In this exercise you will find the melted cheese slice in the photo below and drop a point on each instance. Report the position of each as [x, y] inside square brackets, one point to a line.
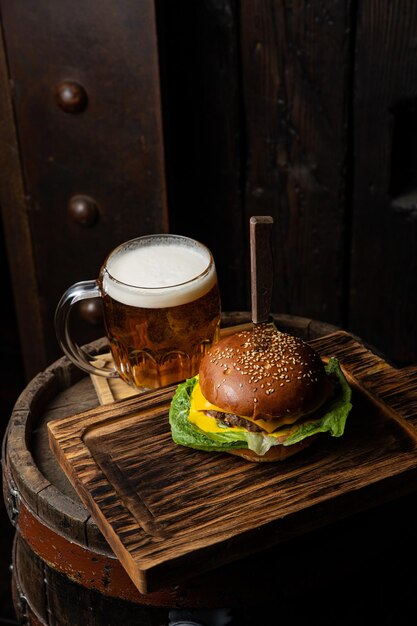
[199, 404]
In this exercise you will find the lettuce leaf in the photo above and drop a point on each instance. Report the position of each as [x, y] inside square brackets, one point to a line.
[186, 434]
[335, 411]
[332, 419]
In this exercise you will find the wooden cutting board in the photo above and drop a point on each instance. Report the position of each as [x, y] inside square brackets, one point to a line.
[170, 512]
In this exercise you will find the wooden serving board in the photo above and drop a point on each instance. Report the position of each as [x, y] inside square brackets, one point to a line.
[110, 389]
[170, 512]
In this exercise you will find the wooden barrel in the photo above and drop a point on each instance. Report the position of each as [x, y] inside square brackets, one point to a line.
[63, 569]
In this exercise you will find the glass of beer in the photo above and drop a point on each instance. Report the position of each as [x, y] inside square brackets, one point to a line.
[161, 309]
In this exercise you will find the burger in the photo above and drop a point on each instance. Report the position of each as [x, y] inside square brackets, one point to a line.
[260, 394]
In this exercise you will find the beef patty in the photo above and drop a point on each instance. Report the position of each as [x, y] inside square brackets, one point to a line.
[230, 419]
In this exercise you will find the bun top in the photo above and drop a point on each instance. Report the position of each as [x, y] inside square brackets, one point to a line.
[263, 373]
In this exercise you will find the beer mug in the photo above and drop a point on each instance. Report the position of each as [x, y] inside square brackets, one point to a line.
[161, 308]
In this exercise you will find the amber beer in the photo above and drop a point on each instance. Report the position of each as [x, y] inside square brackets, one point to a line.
[161, 308]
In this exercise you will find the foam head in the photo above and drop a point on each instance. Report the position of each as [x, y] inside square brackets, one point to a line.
[159, 271]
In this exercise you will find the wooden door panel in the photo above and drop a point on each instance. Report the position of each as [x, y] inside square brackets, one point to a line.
[383, 290]
[109, 149]
[296, 64]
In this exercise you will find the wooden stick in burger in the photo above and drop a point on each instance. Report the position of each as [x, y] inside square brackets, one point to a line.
[260, 394]
[261, 265]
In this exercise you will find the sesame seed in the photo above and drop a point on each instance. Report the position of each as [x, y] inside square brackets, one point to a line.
[266, 355]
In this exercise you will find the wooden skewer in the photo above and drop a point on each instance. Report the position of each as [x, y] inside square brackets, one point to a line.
[262, 272]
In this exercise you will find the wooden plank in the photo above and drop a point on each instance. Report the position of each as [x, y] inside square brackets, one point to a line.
[112, 151]
[17, 231]
[110, 389]
[170, 512]
[295, 78]
[383, 290]
[262, 268]
[199, 45]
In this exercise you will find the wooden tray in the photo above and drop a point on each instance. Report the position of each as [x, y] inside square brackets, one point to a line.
[169, 512]
[110, 389]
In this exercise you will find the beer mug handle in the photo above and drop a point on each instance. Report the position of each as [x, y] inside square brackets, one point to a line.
[75, 293]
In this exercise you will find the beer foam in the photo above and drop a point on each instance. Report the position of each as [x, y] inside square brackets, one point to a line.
[160, 274]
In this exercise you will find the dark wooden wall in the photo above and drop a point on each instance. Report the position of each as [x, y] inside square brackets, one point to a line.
[382, 304]
[199, 114]
[305, 111]
[103, 142]
[11, 383]
[258, 95]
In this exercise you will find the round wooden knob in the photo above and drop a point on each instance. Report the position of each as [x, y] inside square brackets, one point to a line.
[91, 311]
[83, 210]
[71, 97]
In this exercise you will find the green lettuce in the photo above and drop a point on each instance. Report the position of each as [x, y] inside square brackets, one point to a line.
[332, 419]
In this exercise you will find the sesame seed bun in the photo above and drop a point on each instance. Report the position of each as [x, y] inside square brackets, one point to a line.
[263, 373]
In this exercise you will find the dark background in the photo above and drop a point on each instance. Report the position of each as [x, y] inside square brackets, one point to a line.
[199, 114]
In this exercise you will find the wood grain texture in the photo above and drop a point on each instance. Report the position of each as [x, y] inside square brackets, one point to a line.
[60, 391]
[262, 267]
[110, 389]
[383, 293]
[170, 512]
[295, 79]
[61, 540]
[112, 151]
[13, 205]
[27, 465]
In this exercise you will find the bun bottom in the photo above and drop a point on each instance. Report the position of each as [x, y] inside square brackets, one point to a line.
[276, 453]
